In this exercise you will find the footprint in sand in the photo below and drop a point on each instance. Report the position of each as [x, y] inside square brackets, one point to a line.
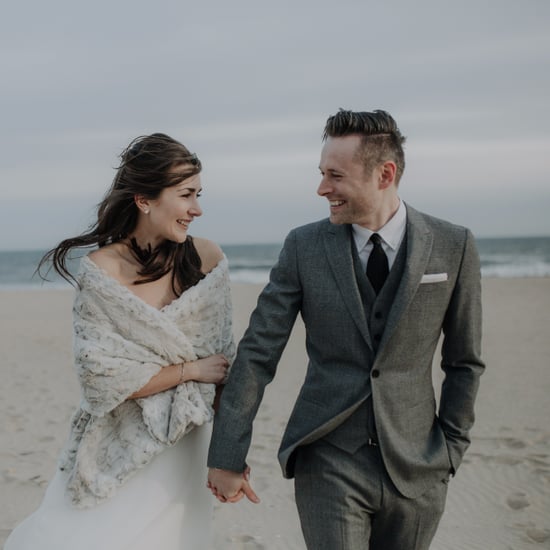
[507, 460]
[539, 460]
[538, 535]
[517, 501]
[247, 542]
[543, 473]
[513, 443]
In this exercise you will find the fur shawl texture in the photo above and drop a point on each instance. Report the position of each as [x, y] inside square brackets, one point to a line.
[120, 342]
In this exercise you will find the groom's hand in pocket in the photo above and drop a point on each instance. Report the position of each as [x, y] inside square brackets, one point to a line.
[228, 486]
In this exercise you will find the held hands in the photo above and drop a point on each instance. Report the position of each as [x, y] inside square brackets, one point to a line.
[229, 486]
[211, 370]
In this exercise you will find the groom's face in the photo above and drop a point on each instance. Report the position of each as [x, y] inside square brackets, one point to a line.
[354, 195]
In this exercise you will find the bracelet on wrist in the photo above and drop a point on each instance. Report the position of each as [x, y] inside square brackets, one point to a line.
[182, 373]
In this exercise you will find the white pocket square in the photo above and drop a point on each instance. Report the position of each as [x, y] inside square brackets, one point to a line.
[433, 278]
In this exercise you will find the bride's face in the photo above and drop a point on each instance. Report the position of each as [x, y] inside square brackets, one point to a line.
[168, 217]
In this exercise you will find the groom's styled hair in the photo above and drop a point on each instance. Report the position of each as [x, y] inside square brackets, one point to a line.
[381, 139]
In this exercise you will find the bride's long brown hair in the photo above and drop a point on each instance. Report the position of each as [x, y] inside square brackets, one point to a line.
[145, 169]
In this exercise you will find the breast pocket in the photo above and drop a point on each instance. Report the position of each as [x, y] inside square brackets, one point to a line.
[428, 307]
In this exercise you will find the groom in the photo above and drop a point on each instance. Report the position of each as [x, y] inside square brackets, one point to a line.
[376, 284]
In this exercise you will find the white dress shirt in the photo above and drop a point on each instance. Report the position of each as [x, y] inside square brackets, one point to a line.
[391, 234]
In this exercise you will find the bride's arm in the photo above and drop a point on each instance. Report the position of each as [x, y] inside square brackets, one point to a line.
[211, 370]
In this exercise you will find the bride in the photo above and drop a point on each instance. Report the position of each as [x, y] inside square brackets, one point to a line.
[152, 342]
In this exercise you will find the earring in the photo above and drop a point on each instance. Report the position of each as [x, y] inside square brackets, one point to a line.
[146, 211]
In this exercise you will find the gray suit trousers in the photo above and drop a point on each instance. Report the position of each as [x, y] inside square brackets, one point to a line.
[348, 502]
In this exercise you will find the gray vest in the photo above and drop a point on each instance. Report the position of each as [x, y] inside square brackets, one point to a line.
[356, 430]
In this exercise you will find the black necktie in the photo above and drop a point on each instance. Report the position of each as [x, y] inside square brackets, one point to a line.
[377, 266]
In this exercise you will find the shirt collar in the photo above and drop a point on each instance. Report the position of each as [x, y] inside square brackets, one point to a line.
[391, 233]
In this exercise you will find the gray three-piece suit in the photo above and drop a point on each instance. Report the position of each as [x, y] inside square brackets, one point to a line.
[369, 377]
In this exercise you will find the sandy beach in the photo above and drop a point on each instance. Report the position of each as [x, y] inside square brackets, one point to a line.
[499, 500]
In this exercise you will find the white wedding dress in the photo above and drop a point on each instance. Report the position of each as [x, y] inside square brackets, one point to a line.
[165, 505]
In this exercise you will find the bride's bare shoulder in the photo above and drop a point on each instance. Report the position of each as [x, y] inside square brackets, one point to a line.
[210, 253]
[107, 258]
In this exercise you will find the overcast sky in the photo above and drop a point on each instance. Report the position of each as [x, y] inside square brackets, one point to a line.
[248, 86]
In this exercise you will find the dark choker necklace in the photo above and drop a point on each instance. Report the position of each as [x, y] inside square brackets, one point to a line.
[142, 255]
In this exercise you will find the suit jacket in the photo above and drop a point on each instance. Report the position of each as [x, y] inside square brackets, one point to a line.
[439, 293]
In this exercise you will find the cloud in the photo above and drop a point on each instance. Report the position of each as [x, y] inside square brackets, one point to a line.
[249, 85]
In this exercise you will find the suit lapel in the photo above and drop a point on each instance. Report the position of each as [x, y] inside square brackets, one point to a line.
[337, 242]
[419, 247]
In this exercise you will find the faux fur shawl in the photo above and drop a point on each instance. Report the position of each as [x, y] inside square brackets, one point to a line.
[120, 342]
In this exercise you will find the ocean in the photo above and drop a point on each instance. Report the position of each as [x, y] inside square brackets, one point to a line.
[250, 263]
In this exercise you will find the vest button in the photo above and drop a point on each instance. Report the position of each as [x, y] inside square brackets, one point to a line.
[377, 337]
[375, 373]
[378, 315]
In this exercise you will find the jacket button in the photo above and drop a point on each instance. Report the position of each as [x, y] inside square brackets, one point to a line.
[375, 373]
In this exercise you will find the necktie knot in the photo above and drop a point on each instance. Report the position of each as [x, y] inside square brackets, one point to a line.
[377, 266]
[376, 239]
